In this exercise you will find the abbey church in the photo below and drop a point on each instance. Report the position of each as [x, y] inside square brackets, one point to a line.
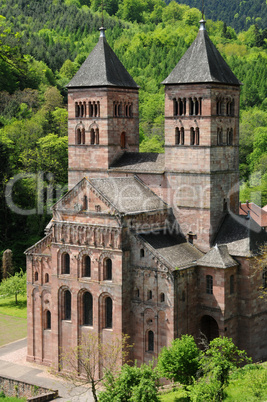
[149, 245]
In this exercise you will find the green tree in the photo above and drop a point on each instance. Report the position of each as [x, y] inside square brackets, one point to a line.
[14, 285]
[180, 362]
[133, 384]
[219, 360]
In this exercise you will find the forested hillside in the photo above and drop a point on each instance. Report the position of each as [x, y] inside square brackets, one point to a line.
[42, 45]
[239, 14]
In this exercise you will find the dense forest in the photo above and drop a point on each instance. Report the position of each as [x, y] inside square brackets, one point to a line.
[42, 45]
[239, 14]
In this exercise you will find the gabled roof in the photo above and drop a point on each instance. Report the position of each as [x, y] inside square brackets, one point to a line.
[171, 249]
[217, 257]
[138, 162]
[242, 235]
[202, 63]
[128, 194]
[102, 68]
[257, 213]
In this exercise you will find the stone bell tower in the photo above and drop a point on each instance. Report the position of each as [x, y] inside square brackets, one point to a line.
[201, 139]
[103, 113]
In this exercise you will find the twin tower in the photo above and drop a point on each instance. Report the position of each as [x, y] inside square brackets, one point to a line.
[198, 174]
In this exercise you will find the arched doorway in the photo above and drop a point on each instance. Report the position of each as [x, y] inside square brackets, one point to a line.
[209, 327]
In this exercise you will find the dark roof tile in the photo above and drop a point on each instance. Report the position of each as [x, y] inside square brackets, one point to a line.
[202, 63]
[102, 68]
[140, 162]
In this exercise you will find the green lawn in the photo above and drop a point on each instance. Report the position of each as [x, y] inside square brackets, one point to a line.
[13, 322]
[10, 399]
[174, 396]
[9, 307]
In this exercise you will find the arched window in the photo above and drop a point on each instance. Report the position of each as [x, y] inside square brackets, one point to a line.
[36, 276]
[182, 136]
[197, 136]
[177, 136]
[92, 135]
[47, 320]
[137, 293]
[209, 284]
[79, 136]
[162, 297]
[87, 309]
[97, 136]
[196, 111]
[130, 110]
[46, 278]
[192, 136]
[83, 136]
[191, 107]
[108, 269]
[150, 341]
[67, 305]
[219, 136]
[108, 312]
[123, 140]
[230, 136]
[86, 266]
[232, 284]
[142, 253]
[175, 107]
[119, 109]
[65, 263]
[232, 107]
[85, 203]
[149, 295]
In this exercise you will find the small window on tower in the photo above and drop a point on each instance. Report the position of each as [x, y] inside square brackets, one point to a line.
[209, 284]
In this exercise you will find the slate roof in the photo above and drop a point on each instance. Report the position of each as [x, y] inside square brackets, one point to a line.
[217, 257]
[128, 195]
[172, 249]
[242, 235]
[140, 162]
[102, 68]
[202, 63]
[257, 213]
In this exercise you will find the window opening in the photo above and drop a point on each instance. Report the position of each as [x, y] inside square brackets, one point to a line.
[48, 320]
[87, 266]
[177, 136]
[67, 305]
[162, 297]
[108, 308]
[209, 284]
[46, 278]
[87, 309]
[142, 253]
[197, 136]
[149, 295]
[232, 284]
[264, 278]
[150, 341]
[192, 136]
[65, 263]
[108, 264]
[36, 276]
[123, 140]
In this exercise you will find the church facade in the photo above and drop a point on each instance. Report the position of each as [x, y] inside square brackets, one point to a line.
[149, 245]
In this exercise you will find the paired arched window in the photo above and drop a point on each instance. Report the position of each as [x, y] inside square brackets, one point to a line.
[194, 136]
[108, 269]
[66, 305]
[150, 339]
[87, 309]
[65, 263]
[179, 107]
[80, 136]
[179, 136]
[209, 284]
[86, 266]
[47, 324]
[94, 136]
[219, 104]
[108, 312]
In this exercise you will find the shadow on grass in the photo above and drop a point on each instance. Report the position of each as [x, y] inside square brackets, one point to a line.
[22, 304]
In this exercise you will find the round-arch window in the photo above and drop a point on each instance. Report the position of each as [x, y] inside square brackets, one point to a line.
[65, 263]
[87, 266]
[46, 278]
[87, 309]
[108, 269]
[108, 312]
[150, 341]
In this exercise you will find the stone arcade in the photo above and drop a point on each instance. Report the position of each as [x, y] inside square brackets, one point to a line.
[149, 244]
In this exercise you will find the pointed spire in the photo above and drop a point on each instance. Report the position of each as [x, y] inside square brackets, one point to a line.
[102, 68]
[202, 63]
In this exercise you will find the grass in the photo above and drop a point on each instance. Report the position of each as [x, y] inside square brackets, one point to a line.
[9, 307]
[247, 384]
[11, 399]
[13, 322]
